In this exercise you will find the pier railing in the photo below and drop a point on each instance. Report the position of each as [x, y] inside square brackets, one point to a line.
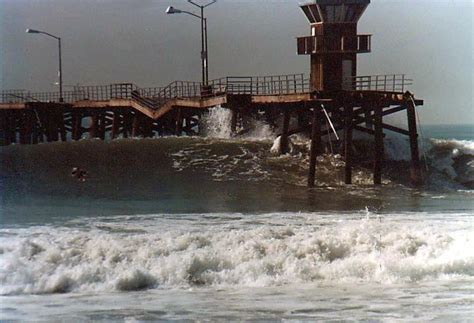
[262, 85]
[397, 83]
[154, 97]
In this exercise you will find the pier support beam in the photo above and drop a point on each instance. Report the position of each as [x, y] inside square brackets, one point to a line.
[136, 126]
[233, 121]
[3, 127]
[379, 149]
[27, 125]
[348, 130]
[115, 125]
[127, 123]
[179, 122]
[284, 146]
[415, 167]
[37, 128]
[55, 118]
[368, 117]
[62, 126]
[315, 145]
[147, 126]
[76, 125]
[94, 125]
[101, 126]
[22, 128]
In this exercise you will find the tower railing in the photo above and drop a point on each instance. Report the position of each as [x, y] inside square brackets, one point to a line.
[324, 44]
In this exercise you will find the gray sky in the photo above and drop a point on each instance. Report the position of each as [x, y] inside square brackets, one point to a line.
[107, 41]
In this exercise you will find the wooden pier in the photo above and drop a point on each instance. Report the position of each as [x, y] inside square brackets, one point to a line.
[331, 97]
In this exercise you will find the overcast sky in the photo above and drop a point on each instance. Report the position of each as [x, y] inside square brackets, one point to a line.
[107, 41]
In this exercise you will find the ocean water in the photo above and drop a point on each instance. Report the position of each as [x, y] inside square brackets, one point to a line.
[220, 228]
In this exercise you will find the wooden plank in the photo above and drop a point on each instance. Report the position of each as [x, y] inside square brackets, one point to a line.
[12, 106]
[289, 98]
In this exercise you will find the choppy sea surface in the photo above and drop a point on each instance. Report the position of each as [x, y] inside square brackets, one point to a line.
[220, 228]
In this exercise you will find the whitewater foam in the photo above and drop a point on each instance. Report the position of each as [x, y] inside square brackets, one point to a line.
[228, 251]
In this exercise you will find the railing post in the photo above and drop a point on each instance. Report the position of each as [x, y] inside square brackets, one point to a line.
[279, 84]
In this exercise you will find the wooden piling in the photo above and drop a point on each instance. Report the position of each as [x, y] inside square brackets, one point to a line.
[53, 126]
[7, 137]
[116, 121]
[379, 148]
[368, 117]
[147, 126]
[36, 131]
[179, 122]
[12, 128]
[22, 128]
[415, 167]
[101, 127]
[284, 144]
[3, 127]
[127, 123]
[76, 125]
[316, 145]
[233, 121]
[348, 129]
[25, 127]
[62, 126]
[94, 125]
[136, 125]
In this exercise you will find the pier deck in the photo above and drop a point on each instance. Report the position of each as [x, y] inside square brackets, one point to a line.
[125, 110]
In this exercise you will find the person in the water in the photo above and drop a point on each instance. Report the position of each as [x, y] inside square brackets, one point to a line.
[80, 174]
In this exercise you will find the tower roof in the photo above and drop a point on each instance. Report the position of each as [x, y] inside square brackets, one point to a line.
[334, 11]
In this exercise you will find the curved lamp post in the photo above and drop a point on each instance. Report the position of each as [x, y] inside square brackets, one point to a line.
[204, 48]
[60, 73]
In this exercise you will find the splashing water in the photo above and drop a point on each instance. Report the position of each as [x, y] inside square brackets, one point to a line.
[218, 123]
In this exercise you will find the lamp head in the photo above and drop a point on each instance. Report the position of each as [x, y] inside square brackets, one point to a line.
[172, 10]
[32, 31]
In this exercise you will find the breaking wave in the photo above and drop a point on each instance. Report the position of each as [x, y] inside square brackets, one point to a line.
[454, 158]
[232, 250]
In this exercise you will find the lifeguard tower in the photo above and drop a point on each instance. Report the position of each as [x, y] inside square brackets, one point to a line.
[354, 100]
[334, 43]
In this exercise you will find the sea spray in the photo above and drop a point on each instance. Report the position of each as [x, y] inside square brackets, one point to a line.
[218, 123]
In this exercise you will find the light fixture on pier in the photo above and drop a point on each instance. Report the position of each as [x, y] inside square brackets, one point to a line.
[60, 72]
[204, 50]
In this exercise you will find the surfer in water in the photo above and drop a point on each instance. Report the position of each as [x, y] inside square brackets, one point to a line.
[79, 173]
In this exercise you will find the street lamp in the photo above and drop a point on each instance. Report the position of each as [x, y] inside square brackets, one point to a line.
[33, 31]
[204, 48]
